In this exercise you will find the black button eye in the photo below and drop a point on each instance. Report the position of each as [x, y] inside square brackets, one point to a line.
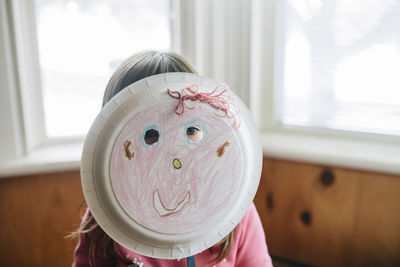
[151, 136]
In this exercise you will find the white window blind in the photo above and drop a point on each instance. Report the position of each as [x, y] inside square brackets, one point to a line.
[340, 65]
[80, 45]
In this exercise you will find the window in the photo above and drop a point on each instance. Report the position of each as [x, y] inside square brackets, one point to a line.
[340, 65]
[80, 44]
[319, 76]
[59, 55]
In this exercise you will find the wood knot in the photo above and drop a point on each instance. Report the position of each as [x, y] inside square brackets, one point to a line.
[270, 201]
[327, 177]
[305, 217]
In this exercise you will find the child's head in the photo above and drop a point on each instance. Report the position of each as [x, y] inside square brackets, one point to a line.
[173, 185]
[142, 65]
[133, 69]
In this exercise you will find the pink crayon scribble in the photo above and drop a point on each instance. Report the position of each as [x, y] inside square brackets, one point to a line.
[173, 200]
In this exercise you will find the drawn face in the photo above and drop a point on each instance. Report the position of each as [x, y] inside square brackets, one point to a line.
[175, 173]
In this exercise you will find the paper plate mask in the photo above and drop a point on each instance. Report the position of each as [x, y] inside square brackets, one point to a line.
[171, 164]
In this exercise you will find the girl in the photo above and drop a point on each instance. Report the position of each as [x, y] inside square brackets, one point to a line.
[244, 246]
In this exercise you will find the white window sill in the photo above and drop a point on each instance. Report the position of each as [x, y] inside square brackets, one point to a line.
[54, 158]
[330, 151]
[351, 153]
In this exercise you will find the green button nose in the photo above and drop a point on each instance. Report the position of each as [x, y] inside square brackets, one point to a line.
[177, 164]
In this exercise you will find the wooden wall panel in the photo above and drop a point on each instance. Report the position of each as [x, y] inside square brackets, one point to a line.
[36, 212]
[377, 232]
[333, 210]
[350, 218]
[326, 216]
[286, 227]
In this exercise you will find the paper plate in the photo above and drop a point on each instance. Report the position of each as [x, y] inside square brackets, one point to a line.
[169, 176]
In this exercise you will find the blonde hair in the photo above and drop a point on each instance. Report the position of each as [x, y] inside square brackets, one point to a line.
[135, 68]
[142, 65]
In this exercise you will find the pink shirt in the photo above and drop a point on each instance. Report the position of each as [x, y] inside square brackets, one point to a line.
[248, 249]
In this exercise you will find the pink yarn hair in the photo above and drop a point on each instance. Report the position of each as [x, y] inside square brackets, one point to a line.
[218, 99]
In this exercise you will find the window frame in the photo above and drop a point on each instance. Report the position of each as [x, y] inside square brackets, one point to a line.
[363, 151]
[255, 65]
[272, 122]
[23, 27]
[30, 150]
[12, 131]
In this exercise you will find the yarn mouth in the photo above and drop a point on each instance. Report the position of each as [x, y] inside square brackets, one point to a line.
[162, 210]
